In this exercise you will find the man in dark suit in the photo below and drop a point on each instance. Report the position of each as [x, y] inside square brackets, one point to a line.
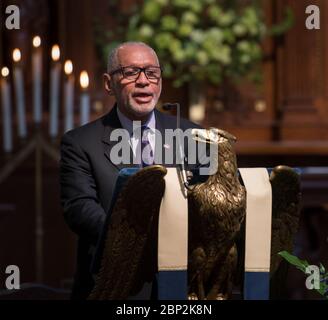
[87, 172]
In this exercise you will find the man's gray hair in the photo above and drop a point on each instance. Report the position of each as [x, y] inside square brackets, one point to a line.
[113, 62]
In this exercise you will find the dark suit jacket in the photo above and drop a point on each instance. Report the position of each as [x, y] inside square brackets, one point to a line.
[88, 178]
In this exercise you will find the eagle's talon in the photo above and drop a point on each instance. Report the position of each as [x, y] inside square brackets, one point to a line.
[192, 296]
[220, 296]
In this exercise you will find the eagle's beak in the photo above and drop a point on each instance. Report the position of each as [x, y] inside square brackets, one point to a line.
[225, 134]
[204, 135]
[211, 135]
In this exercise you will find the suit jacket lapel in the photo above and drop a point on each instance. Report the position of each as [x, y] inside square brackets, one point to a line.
[112, 122]
[162, 145]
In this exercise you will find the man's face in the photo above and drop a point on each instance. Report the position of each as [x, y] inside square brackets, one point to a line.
[136, 98]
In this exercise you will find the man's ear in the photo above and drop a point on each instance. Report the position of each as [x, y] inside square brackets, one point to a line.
[108, 84]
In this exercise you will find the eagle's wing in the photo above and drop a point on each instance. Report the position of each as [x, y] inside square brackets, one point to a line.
[286, 196]
[130, 253]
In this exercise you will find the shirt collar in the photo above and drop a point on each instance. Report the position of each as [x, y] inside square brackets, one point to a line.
[127, 123]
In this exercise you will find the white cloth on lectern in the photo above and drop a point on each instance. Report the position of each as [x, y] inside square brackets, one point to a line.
[258, 219]
[173, 226]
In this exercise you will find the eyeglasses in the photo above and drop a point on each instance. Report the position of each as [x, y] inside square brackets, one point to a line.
[133, 73]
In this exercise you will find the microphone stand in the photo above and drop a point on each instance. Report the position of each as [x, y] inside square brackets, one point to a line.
[181, 166]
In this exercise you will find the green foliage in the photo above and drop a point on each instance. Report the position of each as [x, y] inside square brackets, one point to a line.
[204, 40]
[295, 261]
[285, 25]
[302, 265]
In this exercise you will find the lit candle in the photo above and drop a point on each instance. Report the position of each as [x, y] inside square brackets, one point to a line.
[69, 95]
[6, 111]
[20, 94]
[85, 99]
[37, 79]
[54, 91]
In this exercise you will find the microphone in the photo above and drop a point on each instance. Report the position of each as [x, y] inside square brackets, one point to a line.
[183, 173]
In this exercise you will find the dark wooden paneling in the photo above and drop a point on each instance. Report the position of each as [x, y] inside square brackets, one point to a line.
[18, 227]
[302, 77]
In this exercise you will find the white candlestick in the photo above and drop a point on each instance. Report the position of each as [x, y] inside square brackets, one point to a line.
[85, 108]
[20, 100]
[37, 80]
[54, 92]
[6, 111]
[85, 99]
[69, 96]
[20, 94]
[69, 102]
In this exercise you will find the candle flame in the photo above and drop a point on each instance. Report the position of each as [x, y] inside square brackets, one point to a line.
[55, 53]
[84, 80]
[5, 72]
[36, 42]
[68, 67]
[17, 55]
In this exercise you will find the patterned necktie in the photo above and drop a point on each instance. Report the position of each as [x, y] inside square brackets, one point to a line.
[147, 154]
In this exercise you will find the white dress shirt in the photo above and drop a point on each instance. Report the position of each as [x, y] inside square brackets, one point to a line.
[133, 126]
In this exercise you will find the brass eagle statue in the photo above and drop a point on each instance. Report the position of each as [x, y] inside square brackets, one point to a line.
[217, 209]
